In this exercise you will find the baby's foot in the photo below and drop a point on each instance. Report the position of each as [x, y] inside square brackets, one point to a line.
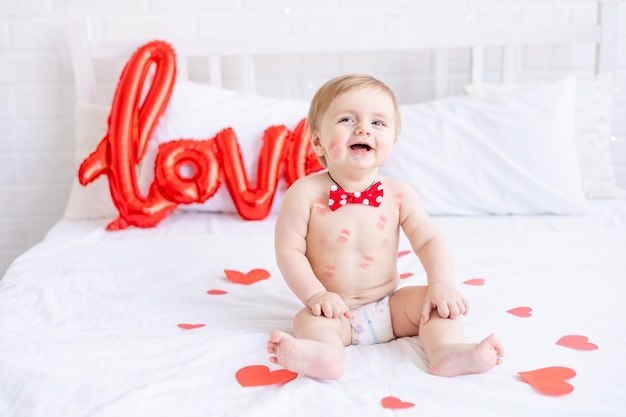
[467, 358]
[307, 357]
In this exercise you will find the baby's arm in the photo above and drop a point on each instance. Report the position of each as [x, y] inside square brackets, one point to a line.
[436, 257]
[290, 246]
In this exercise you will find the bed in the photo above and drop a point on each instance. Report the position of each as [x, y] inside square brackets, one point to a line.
[145, 302]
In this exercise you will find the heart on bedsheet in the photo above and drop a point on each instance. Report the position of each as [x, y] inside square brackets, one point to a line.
[406, 275]
[248, 278]
[403, 252]
[259, 375]
[520, 311]
[575, 341]
[394, 403]
[551, 380]
[216, 292]
[187, 326]
[475, 281]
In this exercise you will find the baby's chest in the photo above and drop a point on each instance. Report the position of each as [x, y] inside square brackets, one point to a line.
[355, 226]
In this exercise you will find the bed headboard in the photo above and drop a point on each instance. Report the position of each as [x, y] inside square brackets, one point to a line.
[481, 42]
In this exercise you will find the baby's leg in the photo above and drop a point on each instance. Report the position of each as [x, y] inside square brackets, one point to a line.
[442, 338]
[317, 349]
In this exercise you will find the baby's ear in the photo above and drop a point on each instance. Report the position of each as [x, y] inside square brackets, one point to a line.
[316, 143]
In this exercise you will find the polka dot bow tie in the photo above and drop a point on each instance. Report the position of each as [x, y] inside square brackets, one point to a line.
[372, 196]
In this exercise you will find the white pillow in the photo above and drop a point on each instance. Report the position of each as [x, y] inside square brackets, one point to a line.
[199, 111]
[511, 153]
[465, 155]
[593, 129]
[94, 200]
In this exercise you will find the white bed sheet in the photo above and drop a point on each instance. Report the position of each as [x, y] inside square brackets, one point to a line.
[89, 322]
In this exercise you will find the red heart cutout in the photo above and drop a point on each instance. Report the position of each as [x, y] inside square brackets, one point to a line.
[216, 292]
[395, 403]
[258, 375]
[406, 275]
[475, 281]
[550, 381]
[520, 311]
[403, 252]
[249, 278]
[187, 326]
[577, 342]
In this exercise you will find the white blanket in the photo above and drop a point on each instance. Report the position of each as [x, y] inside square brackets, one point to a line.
[89, 322]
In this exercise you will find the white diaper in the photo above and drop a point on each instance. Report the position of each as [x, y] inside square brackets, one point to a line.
[371, 323]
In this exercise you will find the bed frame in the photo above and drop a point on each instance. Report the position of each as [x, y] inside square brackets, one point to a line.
[406, 32]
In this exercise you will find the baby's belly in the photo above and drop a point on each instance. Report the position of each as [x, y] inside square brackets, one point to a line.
[362, 288]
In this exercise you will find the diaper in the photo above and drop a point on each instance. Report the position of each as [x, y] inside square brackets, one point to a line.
[371, 323]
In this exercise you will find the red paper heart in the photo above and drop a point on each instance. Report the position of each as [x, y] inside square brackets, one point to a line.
[520, 311]
[216, 292]
[258, 375]
[551, 380]
[395, 403]
[577, 342]
[248, 278]
[474, 281]
[406, 275]
[403, 252]
[187, 326]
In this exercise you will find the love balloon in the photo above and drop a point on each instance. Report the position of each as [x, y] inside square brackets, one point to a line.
[207, 162]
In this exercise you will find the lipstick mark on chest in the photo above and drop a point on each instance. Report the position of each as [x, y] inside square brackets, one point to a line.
[380, 224]
[366, 261]
[397, 199]
[329, 271]
[320, 206]
[344, 236]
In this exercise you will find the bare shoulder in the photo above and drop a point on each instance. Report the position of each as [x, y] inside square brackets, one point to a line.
[305, 188]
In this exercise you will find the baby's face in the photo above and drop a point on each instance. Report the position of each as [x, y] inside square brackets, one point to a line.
[357, 130]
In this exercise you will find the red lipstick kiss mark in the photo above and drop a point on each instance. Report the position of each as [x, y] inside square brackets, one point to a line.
[382, 221]
[321, 207]
[344, 235]
[329, 271]
[366, 261]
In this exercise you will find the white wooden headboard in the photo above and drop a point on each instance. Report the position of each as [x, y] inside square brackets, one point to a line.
[425, 28]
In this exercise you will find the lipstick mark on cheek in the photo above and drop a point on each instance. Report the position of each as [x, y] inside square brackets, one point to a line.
[344, 235]
[382, 221]
[334, 149]
[366, 261]
[397, 199]
[320, 206]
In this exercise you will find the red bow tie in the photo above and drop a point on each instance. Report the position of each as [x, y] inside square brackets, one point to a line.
[372, 196]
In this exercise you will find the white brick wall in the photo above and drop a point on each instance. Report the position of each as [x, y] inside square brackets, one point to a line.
[36, 91]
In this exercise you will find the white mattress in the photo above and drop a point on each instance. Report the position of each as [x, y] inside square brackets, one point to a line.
[89, 322]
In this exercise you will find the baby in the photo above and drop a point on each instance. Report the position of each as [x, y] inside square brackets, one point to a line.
[336, 245]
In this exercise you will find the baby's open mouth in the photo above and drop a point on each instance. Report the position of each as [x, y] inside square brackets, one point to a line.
[360, 146]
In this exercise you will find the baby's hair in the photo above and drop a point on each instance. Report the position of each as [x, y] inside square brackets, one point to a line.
[342, 84]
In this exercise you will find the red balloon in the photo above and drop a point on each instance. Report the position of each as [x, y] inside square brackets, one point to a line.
[131, 123]
[253, 202]
[197, 156]
[301, 160]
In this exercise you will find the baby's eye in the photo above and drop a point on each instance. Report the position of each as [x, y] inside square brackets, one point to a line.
[378, 123]
[346, 119]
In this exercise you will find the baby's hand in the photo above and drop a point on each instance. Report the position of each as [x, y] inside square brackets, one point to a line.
[328, 304]
[448, 301]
